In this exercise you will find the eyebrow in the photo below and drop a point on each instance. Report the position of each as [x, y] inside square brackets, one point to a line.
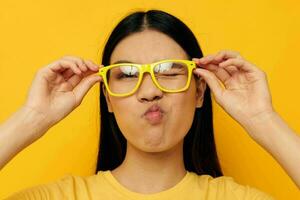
[122, 61]
[126, 61]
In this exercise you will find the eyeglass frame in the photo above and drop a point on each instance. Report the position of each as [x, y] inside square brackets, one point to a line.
[147, 68]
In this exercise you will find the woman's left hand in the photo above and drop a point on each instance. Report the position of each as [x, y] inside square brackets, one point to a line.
[246, 94]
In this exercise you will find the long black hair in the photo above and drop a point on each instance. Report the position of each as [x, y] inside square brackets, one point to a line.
[199, 148]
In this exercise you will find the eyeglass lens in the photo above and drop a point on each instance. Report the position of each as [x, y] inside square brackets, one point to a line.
[169, 75]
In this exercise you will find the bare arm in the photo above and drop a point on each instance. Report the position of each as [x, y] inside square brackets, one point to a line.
[274, 135]
[246, 97]
[56, 91]
[20, 130]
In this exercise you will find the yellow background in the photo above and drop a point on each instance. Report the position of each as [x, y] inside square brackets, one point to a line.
[35, 33]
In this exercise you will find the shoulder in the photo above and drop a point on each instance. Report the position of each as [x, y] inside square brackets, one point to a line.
[69, 186]
[228, 188]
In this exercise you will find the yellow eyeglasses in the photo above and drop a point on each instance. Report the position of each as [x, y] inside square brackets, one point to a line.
[123, 79]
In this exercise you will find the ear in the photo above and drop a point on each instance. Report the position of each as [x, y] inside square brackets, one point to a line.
[107, 98]
[200, 90]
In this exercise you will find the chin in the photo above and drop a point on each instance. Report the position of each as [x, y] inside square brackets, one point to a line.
[151, 149]
[154, 142]
[155, 146]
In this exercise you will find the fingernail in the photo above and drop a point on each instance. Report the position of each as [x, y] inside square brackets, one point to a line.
[99, 78]
[95, 67]
[221, 64]
[202, 59]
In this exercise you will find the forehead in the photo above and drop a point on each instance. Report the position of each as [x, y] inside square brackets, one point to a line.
[146, 47]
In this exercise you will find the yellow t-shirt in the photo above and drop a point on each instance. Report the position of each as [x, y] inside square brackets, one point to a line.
[104, 185]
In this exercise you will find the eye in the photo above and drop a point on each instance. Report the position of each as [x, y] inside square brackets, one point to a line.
[170, 69]
[128, 71]
[163, 67]
[121, 75]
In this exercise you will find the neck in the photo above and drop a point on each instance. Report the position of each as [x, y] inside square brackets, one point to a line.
[145, 172]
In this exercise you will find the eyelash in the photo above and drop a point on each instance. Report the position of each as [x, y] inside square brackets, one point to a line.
[120, 76]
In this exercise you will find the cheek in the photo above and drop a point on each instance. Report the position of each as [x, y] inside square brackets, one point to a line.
[182, 115]
[128, 117]
[180, 109]
[125, 113]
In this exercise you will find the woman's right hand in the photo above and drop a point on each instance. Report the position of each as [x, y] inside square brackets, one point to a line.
[59, 87]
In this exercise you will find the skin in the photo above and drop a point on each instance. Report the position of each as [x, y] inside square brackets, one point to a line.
[154, 160]
[153, 150]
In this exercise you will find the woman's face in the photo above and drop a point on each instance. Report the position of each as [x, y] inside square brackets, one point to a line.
[147, 47]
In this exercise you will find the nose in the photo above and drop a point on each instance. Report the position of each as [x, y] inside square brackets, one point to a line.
[148, 90]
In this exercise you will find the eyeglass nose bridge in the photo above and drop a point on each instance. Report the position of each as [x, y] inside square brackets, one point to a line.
[146, 68]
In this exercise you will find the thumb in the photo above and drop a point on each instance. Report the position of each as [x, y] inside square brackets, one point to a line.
[83, 87]
[212, 81]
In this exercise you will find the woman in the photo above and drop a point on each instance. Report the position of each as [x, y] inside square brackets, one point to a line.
[156, 142]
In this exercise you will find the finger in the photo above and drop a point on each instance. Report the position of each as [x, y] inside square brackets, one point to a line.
[83, 87]
[79, 62]
[204, 60]
[62, 65]
[211, 80]
[75, 79]
[231, 69]
[217, 58]
[46, 72]
[240, 64]
[67, 74]
[226, 54]
[221, 73]
[92, 65]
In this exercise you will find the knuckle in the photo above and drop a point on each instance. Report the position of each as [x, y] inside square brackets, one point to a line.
[80, 60]
[229, 61]
[40, 71]
[240, 60]
[206, 56]
[78, 102]
[220, 54]
[64, 61]
[88, 62]
[232, 61]
[263, 73]
[217, 96]
[222, 51]
[233, 51]
[226, 51]
[69, 63]
[236, 52]
[73, 58]
[210, 74]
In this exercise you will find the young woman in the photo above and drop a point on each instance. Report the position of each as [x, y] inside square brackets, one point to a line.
[156, 116]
